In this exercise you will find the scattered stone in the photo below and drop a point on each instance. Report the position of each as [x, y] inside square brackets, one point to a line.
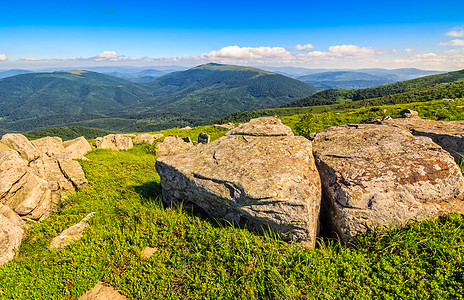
[409, 113]
[187, 139]
[49, 146]
[147, 138]
[265, 126]
[203, 138]
[172, 144]
[11, 233]
[186, 128]
[21, 144]
[256, 180]
[148, 252]
[114, 142]
[102, 292]
[377, 175]
[73, 233]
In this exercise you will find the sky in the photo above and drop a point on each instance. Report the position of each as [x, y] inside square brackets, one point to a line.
[328, 34]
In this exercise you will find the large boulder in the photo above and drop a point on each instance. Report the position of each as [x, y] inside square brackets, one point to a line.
[21, 144]
[448, 134]
[114, 142]
[377, 176]
[11, 233]
[76, 148]
[172, 144]
[255, 179]
[12, 168]
[146, 138]
[48, 146]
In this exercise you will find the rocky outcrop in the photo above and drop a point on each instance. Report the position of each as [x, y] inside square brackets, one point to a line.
[146, 138]
[33, 188]
[171, 145]
[114, 142]
[102, 292]
[11, 233]
[265, 126]
[377, 175]
[72, 234]
[260, 175]
[448, 134]
[203, 138]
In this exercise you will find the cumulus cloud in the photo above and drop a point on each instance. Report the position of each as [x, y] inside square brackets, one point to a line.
[107, 55]
[455, 33]
[455, 42]
[3, 57]
[246, 52]
[307, 47]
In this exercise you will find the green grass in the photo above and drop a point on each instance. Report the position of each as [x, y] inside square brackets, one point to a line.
[200, 259]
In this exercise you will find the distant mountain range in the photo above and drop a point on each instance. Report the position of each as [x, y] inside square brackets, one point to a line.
[85, 98]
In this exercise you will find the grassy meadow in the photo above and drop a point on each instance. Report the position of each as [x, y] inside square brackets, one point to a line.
[199, 258]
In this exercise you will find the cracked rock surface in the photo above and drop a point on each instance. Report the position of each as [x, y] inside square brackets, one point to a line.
[378, 175]
[255, 179]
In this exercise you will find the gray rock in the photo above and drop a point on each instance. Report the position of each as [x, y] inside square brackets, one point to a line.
[259, 180]
[114, 142]
[187, 139]
[146, 138]
[21, 144]
[203, 138]
[172, 144]
[11, 233]
[376, 175]
[73, 233]
[265, 126]
[102, 292]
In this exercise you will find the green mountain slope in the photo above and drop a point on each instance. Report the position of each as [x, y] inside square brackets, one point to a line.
[345, 80]
[336, 96]
[35, 95]
[219, 90]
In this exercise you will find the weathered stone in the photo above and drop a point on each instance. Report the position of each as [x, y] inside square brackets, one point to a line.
[26, 194]
[448, 134]
[409, 113]
[265, 126]
[11, 233]
[172, 144]
[147, 138]
[75, 149]
[258, 180]
[203, 138]
[186, 128]
[73, 172]
[114, 142]
[21, 144]
[73, 233]
[12, 168]
[102, 292]
[49, 146]
[376, 176]
[3, 147]
[147, 252]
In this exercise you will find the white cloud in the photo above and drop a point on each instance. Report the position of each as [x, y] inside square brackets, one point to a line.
[351, 50]
[307, 47]
[3, 57]
[455, 42]
[455, 33]
[236, 52]
[107, 55]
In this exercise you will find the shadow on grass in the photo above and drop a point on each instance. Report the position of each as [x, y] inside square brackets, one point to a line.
[149, 191]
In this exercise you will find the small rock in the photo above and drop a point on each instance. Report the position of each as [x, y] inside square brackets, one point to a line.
[172, 144]
[187, 139]
[148, 252]
[409, 113]
[102, 292]
[73, 233]
[265, 126]
[186, 128]
[114, 142]
[147, 138]
[203, 138]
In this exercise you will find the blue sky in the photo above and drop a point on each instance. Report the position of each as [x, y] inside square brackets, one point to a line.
[313, 34]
